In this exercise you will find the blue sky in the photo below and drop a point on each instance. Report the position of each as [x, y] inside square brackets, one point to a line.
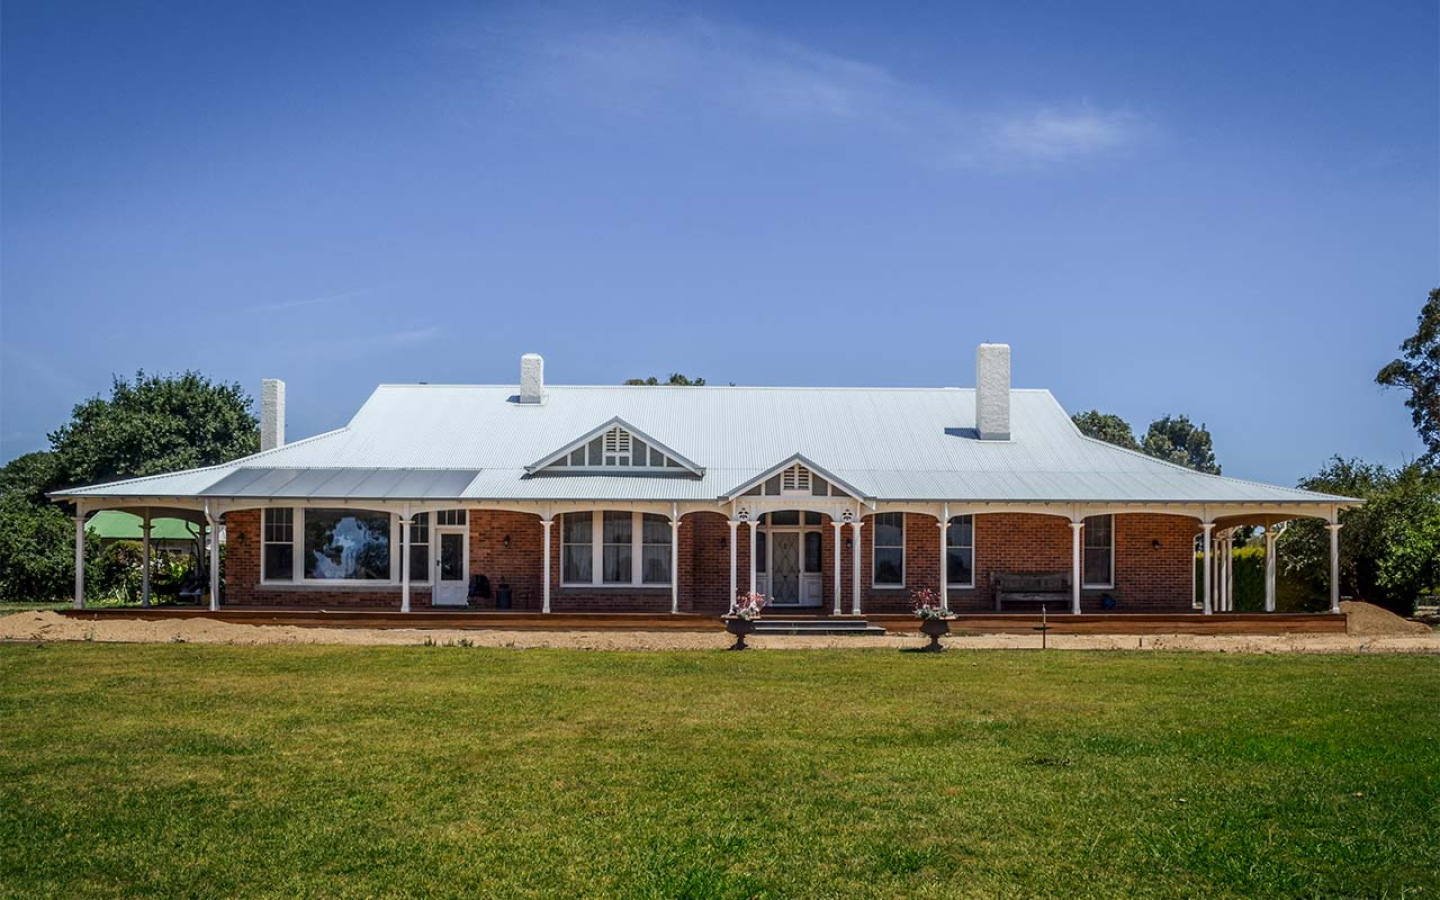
[1225, 210]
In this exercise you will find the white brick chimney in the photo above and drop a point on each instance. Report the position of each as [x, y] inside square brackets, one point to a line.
[992, 392]
[272, 414]
[532, 378]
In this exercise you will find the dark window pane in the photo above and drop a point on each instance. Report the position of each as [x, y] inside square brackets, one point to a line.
[279, 562]
[962, 532]
[890, 530]
[812, 551]
[656, 567]
[889, 565]
[618, 527]
[958, 568]
[452, 557]
[1097, 566]
[617, 563]
[785, 517]
[347, 545]
[420, 562]
[760, 553]
[812, 518]
[577, 563]
[656, 529]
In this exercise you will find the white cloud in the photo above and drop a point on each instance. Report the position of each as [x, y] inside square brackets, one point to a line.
[696, 66]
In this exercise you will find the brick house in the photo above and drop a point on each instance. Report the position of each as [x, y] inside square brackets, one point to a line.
[672, 499]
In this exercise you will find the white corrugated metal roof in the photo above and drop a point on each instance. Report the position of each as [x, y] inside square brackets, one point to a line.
[896, 444]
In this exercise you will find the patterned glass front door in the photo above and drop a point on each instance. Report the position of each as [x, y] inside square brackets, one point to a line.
[785, 568]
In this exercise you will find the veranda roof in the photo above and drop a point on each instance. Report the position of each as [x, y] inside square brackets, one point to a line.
[474, 442]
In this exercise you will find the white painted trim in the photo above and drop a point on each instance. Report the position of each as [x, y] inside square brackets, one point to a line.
[736, 492]
[686, 465]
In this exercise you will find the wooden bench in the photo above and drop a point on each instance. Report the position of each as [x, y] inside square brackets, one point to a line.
[1030, 587]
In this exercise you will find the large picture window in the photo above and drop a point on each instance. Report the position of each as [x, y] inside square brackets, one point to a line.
[1099, 552]
[347, 545]
[960, 552]
[889, 556]
[278, 537]
[615, 548]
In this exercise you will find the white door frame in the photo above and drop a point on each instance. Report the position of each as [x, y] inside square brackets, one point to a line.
[804, 576]
[450, 593]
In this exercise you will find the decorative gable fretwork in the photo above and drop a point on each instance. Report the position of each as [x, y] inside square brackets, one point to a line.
[615, 446]
[794, 480]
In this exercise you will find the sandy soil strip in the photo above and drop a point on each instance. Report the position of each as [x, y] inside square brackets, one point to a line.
[50, 626]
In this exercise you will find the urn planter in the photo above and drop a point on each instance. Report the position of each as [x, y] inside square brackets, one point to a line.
[740, 627]
[934, 629]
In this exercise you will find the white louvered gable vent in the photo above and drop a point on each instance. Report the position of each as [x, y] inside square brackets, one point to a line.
[795, 480]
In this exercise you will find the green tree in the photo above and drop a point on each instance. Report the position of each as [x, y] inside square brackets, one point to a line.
[675, 380]
[1418, 371]
[1176, 439]
[153, 425]
[37, 538]
[1389, 547]
[1106, 427]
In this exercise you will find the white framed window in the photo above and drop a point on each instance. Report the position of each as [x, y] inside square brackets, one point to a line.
[888, 553]
[1098, 553]
[451, 517]
[420, 548]
[960, 552]
[615, 548]
[277, 558]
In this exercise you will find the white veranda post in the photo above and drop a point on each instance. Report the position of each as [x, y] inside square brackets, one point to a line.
[545, 523]
[674, 560]
[855, 566]
[79, 559]
[1076, 528]
[734, 536]
[1334, 529]
[405, 521]
[754, 536]
[1205, 567]
[839, 539]
[145, 559]
[1270, 563]
[945, 558]
[214, 521]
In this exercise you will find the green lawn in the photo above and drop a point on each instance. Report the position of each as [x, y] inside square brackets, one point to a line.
[207, 771]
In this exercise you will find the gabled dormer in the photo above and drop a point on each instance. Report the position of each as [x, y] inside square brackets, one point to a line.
[615, 448]
[795, 477]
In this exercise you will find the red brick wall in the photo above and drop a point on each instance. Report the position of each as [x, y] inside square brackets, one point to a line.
[1146, 578]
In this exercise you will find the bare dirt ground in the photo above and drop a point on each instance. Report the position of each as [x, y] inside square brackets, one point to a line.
[1371, 630]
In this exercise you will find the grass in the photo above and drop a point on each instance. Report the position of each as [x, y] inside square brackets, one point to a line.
[7, 606]
[209, 771]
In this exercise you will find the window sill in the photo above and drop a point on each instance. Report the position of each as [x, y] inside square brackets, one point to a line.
[364, 587]
[959, 587]
[887, 587]
[587, 586]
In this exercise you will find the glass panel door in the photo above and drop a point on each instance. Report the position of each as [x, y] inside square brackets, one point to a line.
[785, 568]
[450, 587]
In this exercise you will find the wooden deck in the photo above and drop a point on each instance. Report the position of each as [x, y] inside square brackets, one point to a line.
[972, 623]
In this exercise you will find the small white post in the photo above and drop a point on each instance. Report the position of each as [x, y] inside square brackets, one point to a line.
[839, 539]
[1075, 574]
[214, 520]
[145, 557]
[1230, 571]
[545, 565]
[855, 545]
[754, 536]
[1334, 529]
[734, 536]
[79, 558]
[1270, 563]
[674, 559]
[1208, 527]
[405, 521]
[1225, 571]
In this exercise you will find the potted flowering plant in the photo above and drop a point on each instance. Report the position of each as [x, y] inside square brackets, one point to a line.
[741, 620]
[934, 617]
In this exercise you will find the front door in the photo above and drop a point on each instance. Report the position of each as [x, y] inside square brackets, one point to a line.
[451, 586]
[785, 568]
